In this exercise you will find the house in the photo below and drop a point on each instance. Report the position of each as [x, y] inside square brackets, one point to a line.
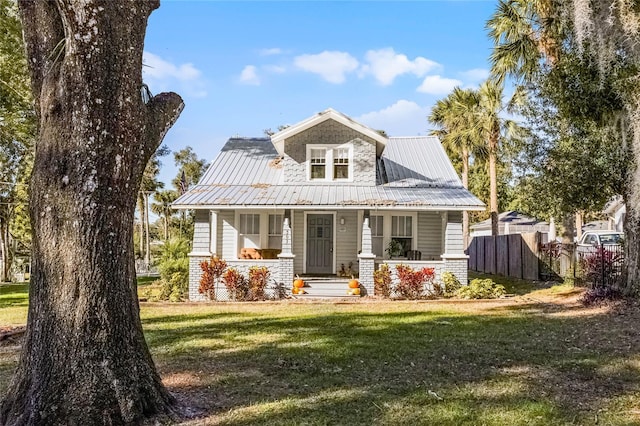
[511, 222]
[324, 194]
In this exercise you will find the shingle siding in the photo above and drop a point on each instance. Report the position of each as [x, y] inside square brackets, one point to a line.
[330, 133]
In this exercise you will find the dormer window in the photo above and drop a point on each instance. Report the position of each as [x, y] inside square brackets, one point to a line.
[318, 163]
[341, 163]
[330, 163]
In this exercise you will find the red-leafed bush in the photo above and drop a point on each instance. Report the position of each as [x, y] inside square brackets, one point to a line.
[258, 279]
[412, 284]
[212, 270]
[236, 283]
[382, 281]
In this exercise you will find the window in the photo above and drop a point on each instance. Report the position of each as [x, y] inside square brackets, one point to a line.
[376, 225]
[275, 231]
[318, 163]
[249, 229]
[402, 231]
[341, 163]
[330, 162]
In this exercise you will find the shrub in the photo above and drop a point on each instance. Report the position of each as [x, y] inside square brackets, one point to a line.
[411, 283]
[450, 284]
[174, 270]
[602, 268]
[382, 281]
[258, 279]
[237, 285]
[212, 270]
[600, 295]
[481, 289]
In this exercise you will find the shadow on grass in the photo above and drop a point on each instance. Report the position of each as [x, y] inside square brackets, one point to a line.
[14, 295]
[414, 367]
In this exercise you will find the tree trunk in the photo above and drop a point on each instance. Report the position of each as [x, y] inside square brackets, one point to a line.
[147, 248]
[465, 184]
[4, 253]
[84, 358]
[142, 213]
[493, 188]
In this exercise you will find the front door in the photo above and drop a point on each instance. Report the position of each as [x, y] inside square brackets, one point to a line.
[320, 244]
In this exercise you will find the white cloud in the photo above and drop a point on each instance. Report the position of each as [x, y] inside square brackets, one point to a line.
[385, 65]
[403, 118]
[330, 65]
[162, 75]
[475, 75]
[437, 85]
[271, 51]
[158, 68]
[249, 76]
[275, 69]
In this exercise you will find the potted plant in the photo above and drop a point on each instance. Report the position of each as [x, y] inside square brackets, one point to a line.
[394, 249]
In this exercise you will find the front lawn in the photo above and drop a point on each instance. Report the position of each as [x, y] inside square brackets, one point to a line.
[536, 359]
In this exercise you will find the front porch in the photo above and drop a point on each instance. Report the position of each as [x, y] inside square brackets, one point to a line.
[332, 244]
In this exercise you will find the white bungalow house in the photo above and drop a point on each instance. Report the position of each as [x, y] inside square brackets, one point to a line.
[327, 193]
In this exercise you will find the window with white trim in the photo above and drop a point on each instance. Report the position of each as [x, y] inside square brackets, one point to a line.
[330, 162]
[376, 223]
[249, 229]
[275, 231]
[318, 163]
[402, 231]
[341, 163]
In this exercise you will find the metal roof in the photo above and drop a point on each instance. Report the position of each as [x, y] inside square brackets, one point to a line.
[413, 172]
[417, 161]
[326, 196]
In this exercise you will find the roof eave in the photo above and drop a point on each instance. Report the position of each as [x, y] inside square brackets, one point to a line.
[278, 138]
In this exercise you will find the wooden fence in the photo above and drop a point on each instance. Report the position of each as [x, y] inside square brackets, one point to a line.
[514, 255]
[523, 256]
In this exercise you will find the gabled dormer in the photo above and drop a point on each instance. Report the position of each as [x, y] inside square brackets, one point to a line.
[329, 148]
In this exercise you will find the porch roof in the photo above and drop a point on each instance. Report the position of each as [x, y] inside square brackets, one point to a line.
[327, 196]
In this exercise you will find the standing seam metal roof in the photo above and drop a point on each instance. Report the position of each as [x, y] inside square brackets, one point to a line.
[412, 172]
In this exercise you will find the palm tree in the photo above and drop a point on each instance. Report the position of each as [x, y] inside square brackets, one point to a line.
[162, 207]
[454, 116]
[524, 33]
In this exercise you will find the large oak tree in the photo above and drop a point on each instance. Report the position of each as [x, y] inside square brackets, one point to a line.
[85, 360]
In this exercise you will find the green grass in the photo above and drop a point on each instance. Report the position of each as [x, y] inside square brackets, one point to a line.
[537, 359]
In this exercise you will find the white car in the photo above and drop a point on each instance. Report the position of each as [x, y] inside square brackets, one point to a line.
[592, 239]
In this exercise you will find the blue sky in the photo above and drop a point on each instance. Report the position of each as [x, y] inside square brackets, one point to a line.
[243, 67]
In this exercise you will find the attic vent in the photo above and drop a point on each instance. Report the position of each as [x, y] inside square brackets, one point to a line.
[276, 163]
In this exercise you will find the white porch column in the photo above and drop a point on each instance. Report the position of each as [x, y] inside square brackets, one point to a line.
[286, 257]
[366, 259]
[213, 232]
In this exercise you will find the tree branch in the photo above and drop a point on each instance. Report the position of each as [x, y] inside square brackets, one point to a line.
[162, 112]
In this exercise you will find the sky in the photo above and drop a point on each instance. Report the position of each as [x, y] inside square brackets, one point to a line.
[246, 66]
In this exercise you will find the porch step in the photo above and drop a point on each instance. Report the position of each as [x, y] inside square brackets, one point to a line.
[325, 288]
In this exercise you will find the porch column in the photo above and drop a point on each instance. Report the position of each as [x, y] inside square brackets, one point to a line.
[455, 259]
[285, 269]
[213, 233]
[366, 259]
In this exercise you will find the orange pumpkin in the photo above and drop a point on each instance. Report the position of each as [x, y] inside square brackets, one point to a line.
[298, 283]
[295, 290]
[353, 283]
